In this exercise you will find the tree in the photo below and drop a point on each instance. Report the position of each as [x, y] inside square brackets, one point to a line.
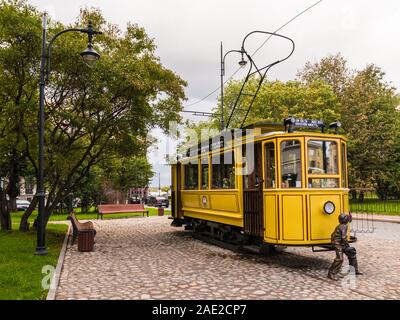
[368, 114]
[369, 119]
[277, 100]
[92, 114]
[331, 69]
[128, 173]
[19, 52]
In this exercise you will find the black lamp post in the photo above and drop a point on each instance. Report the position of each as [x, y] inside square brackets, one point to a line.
[90, 56]
[242, 63]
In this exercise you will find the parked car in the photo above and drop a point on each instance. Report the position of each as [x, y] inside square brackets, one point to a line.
[157, 201]
[22, 205]
[134, 200]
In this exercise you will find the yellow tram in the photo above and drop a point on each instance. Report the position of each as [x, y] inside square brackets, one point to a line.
[272, 184]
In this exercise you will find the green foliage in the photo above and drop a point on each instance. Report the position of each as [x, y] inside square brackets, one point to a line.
[19, 51]
[331, 69]
[277, 100]
[369, 116]
[129, 173]
[93, 115]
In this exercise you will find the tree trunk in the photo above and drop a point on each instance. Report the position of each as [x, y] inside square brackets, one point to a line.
[23, 226]
[13, 203]
[5, 216]
[13, 188]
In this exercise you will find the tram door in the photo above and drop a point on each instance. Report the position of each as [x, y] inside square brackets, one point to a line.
[176, 203]
[252, 190]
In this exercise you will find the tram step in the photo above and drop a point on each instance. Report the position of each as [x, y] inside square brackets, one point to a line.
[252, 248]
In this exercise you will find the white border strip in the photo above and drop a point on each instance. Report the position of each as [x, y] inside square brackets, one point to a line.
[51, 295]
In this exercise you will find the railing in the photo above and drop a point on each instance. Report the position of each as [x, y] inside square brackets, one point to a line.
[367, 201]
[364, 204]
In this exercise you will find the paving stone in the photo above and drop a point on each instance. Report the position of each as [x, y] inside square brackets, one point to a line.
[146, 258]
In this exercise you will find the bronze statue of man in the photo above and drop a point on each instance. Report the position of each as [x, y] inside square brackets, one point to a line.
[341, 245]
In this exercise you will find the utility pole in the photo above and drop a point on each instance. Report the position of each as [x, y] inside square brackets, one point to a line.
[222, 89]
[159, 184]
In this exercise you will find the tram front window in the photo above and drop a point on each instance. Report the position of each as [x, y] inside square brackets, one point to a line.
[322, 160]
[323, 183]
[322, 157]
[291, 164]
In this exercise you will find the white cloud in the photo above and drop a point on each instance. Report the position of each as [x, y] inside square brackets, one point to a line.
[188, 33]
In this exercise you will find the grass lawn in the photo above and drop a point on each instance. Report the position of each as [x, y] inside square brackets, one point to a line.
[16, 216]
[387, 207]
[20, 270]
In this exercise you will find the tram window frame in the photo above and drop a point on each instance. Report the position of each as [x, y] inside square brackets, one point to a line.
[218, 167]
[324, 179]
[324, 183]
[251, 165]
[195, 164]
[344, 165]
[325, 159]
[202, 166]
[299, 174]
[270, 167]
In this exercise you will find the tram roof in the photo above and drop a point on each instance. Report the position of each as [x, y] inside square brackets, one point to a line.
[266, 126]
[261, 129]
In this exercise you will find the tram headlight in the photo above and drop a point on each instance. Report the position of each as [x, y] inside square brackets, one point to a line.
[329, 207]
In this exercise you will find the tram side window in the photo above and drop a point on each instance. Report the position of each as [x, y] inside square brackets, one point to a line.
[270, 179]
[191, 176]
[204, 173]
[344, 164]
[291, 164]
[223, 171]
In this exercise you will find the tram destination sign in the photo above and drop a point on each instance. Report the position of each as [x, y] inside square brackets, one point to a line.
[307, 123]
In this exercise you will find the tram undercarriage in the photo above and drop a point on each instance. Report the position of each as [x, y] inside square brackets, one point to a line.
[230, 237]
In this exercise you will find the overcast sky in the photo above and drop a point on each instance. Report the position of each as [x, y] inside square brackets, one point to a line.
[188, 35]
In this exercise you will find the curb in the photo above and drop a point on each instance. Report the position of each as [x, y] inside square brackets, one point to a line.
[375, 219]
[51, 295]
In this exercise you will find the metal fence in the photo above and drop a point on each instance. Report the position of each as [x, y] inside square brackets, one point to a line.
[367, 201]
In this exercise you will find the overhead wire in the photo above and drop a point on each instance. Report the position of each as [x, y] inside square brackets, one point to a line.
[252, 55]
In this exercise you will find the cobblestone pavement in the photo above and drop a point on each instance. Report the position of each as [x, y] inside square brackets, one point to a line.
[146, 258]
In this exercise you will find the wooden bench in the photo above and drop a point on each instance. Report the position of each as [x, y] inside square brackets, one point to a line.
[80, 227]
[121, 208]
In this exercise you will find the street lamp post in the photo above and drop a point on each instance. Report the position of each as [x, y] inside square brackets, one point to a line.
[159, 184]
[242, 63]
[90, 56]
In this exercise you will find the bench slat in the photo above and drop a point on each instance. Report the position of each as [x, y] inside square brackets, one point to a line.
[121, 208]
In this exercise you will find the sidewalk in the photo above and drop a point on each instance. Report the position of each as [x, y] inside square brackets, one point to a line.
[376, 217]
